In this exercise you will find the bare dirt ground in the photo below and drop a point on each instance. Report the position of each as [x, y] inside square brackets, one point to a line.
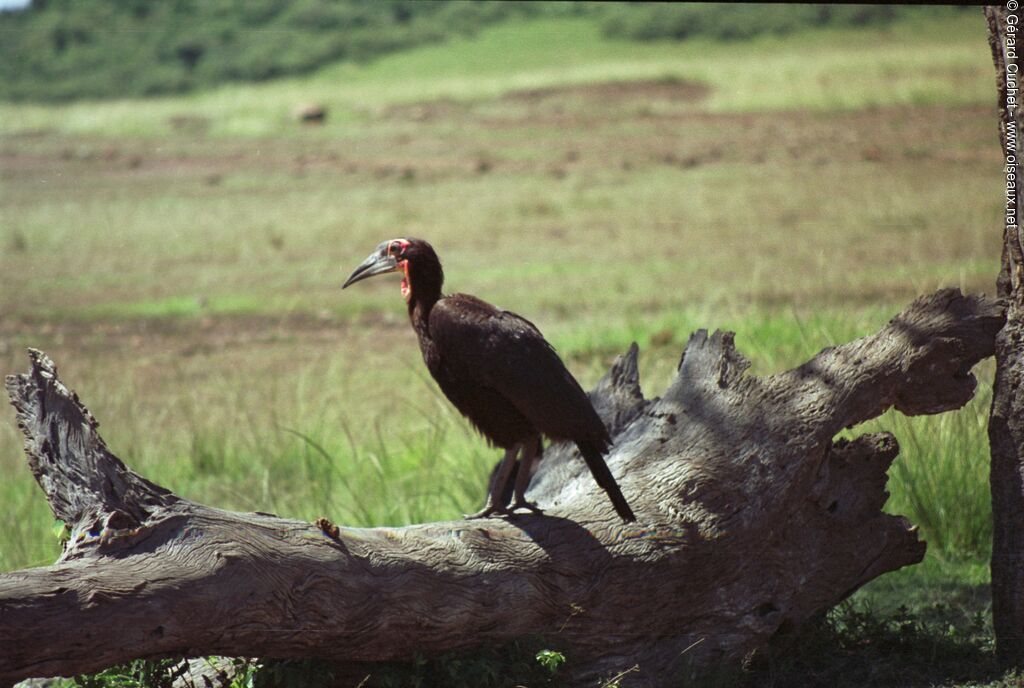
[658, 132]
[579, 131]
[558, 105]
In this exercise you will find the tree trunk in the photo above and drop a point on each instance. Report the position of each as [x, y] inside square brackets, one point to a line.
[1006, 424]
[753, 518]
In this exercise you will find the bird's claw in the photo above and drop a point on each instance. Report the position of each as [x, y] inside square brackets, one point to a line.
[489, 510]
[523, 504]
[509, 511]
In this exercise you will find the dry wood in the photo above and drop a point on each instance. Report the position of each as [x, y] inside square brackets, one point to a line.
[753, 518]
[1006, 423]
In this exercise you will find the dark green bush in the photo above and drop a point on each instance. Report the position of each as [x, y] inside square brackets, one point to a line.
[64, 49]
[731, 22]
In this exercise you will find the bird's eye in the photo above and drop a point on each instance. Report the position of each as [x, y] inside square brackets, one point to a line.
[396, 248]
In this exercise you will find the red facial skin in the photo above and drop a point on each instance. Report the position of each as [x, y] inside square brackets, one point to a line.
[398, 245]
[406, 286]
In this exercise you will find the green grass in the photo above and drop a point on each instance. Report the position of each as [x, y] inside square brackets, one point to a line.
[188, 284]
[389, 450]
[920, 62]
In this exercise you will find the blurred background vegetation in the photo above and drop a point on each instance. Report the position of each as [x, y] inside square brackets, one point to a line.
[175, 236]
[65, 49]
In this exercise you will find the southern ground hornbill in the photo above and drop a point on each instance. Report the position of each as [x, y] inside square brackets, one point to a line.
[498, 371]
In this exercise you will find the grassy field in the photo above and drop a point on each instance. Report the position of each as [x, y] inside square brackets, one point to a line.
[181, 259]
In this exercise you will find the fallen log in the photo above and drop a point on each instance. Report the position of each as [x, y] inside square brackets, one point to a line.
[752, 519]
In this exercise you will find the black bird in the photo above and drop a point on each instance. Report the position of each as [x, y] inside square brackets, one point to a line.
[498, 371]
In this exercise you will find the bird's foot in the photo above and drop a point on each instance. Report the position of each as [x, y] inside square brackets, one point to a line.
[523, 504]
[489, 510]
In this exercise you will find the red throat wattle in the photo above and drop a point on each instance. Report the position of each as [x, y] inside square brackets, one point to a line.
[406, 286]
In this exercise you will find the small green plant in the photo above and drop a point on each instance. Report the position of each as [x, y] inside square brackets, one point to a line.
[304, 673]
[140, 673]
[60, 530]
[550, 660]
[514, 664]
[616, 680]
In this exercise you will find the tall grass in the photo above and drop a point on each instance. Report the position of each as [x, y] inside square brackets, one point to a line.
[940, 479]
[322, 443]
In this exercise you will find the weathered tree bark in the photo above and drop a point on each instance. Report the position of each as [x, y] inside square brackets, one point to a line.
[1006, 423]
[753, 518]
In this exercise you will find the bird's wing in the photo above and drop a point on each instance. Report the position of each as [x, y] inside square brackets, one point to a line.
[503, 351]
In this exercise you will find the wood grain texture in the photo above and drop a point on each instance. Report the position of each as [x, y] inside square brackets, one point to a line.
[1006, 422]
[752, 519]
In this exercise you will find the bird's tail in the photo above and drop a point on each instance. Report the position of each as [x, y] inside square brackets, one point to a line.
[599, 469]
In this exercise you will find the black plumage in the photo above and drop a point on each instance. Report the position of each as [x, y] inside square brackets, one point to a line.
[498, 370]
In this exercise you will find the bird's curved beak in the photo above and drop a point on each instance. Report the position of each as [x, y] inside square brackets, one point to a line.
[377, 263]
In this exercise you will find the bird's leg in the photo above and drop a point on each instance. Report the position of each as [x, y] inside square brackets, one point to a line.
[530, 453]
[494, 504]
